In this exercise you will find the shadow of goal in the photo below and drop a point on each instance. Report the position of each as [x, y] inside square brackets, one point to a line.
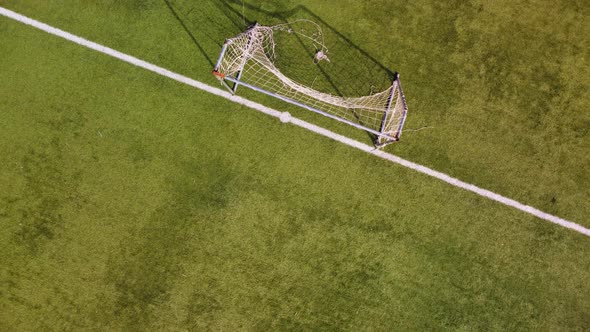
[250, 60]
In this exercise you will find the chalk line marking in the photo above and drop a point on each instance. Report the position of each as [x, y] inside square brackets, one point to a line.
[316, 129]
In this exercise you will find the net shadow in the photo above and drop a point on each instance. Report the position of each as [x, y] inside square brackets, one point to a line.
[207, 23]
[351, 72]
[188, 31]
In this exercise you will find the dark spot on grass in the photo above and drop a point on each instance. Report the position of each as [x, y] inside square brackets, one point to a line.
[147, 267]
[50, 182]
[202, 308]
[40, 216]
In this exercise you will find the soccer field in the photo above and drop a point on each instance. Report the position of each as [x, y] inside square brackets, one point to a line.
[130, 201]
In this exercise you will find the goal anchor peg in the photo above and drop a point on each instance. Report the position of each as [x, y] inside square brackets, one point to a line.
[221, 78]
[218, 74]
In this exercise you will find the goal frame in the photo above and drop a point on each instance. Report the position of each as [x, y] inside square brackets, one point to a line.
[381, 137]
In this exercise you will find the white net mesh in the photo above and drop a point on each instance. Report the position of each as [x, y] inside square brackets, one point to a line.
[249, 58]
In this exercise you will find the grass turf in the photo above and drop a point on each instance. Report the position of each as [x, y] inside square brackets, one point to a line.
[131, 201]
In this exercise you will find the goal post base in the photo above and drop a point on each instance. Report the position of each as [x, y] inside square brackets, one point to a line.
[384, 143]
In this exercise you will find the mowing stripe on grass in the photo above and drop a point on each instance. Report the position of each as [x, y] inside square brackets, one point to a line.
[316, 129]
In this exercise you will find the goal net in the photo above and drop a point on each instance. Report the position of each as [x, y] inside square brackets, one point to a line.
[248, 60]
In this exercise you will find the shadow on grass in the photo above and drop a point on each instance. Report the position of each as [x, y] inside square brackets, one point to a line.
[188, 31]
[351, 72]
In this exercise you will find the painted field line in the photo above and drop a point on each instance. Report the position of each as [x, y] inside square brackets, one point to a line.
[316, 129]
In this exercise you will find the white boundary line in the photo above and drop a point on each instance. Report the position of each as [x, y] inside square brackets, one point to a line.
[319, 130]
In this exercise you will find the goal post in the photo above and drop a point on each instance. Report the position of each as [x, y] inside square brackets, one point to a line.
[248, 60]
[395, 113]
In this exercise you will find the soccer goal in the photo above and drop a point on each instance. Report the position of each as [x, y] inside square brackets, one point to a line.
[248, 60]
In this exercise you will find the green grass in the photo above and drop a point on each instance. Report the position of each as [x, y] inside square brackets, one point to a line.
[132, 202]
